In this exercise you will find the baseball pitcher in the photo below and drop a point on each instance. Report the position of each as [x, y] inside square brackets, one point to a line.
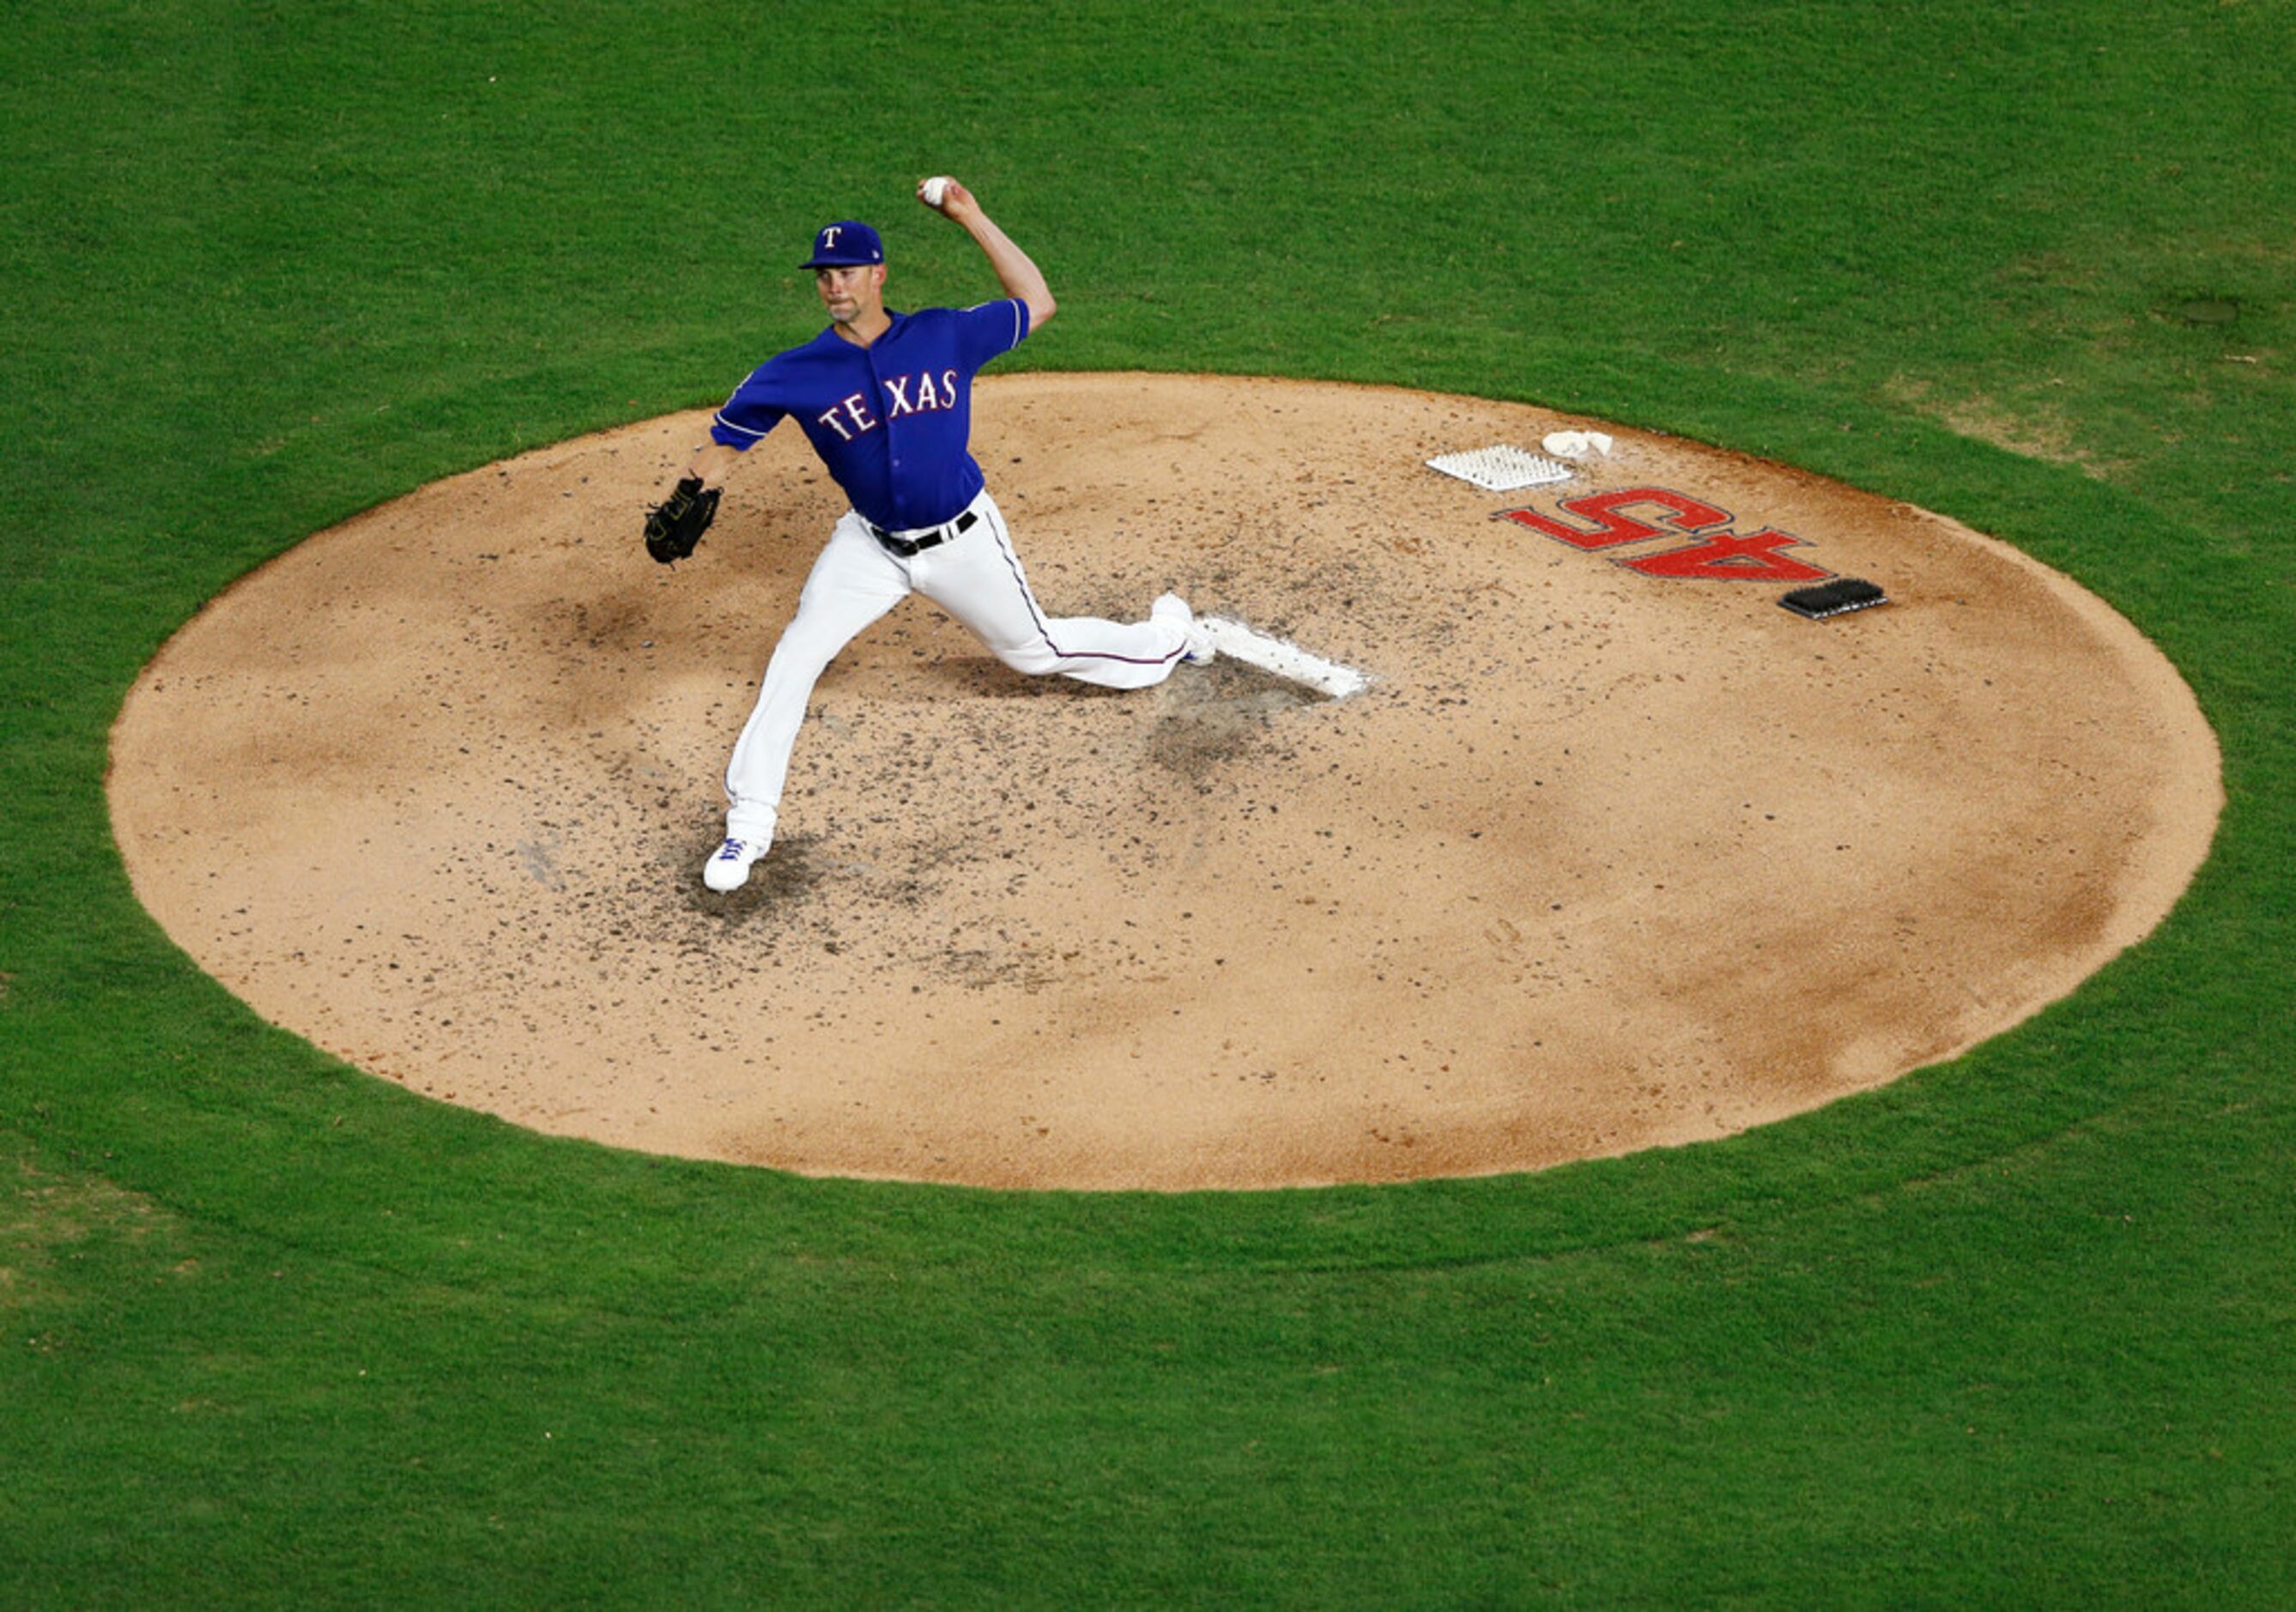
[886, 399]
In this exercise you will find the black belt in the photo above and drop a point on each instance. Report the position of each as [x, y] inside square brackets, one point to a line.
[909, 548]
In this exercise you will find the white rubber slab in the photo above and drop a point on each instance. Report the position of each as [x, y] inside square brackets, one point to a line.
[1285, 660]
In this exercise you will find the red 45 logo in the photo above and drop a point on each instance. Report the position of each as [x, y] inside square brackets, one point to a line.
[1721, 556]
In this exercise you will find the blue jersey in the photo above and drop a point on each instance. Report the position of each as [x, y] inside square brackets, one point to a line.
[892, 421]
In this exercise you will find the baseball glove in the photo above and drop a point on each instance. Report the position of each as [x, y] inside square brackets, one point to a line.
[675, 525]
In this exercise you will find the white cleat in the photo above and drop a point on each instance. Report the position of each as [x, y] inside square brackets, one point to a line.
[1173, 610]
[729, 870]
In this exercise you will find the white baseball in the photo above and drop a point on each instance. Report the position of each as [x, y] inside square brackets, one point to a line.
[934, 189]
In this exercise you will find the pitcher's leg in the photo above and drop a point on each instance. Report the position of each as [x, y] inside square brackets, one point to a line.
[979, 579]
[852, 584]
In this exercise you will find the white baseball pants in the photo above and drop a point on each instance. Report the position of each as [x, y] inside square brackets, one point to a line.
[977, 577]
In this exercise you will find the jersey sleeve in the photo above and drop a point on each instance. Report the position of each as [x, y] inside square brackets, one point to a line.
[990, 330]
[749, 413]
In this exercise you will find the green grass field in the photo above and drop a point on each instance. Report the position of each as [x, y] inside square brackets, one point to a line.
[2013, 1331]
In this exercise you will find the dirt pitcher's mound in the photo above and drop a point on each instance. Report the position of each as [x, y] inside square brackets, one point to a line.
[1615, 852]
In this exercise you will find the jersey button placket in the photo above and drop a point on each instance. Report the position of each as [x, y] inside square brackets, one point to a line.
[892, 440]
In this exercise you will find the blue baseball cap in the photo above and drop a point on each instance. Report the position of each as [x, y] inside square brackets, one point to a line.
[842, 245]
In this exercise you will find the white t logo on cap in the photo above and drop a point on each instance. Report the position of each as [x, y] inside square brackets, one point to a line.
[829, 237]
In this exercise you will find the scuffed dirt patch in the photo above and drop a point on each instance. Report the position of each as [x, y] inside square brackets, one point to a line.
[2032, 429]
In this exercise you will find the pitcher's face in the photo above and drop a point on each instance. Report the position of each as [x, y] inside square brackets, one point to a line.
[853, 294]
